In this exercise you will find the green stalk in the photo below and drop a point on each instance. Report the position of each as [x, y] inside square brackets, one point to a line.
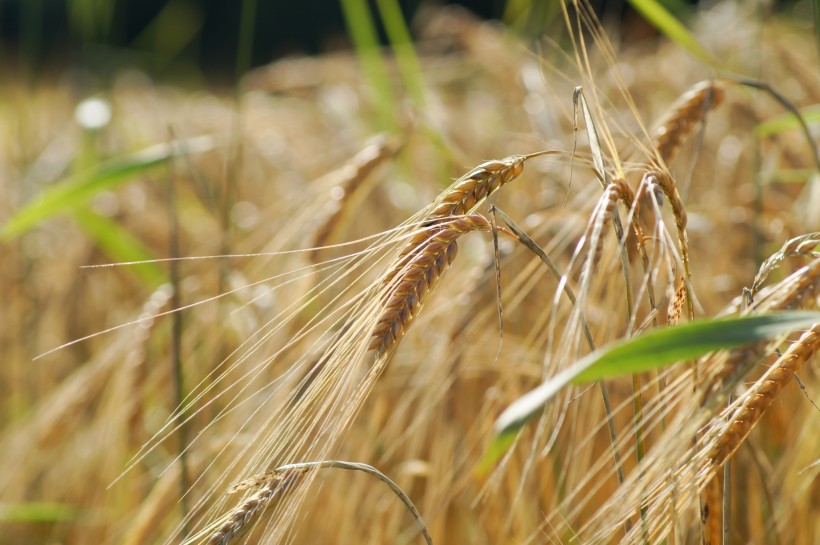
[362, 30]
[402, 44]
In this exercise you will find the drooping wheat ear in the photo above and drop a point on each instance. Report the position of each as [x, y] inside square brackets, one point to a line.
[421, 264]
[803, 245]
[762, 395]
[617, 190]
[348, 179]
[241, 517]
[736, 363]
[475, 186]
[430, 252]
[685, 113]
[663, 180]
[791, 291]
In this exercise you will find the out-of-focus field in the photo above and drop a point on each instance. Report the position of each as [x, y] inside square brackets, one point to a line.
[260, 176]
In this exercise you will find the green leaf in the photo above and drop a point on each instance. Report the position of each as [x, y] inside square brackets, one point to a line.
[121, 246]
[362, 30]
[402, 44]
[673, 29]
[39, 512]
[76, 190]
[652, 350]
[787, 121]
[791, 176]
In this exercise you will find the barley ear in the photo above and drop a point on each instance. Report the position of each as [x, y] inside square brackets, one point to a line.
[762, 394]
[416, 273]
[242, 517]
[689, 110]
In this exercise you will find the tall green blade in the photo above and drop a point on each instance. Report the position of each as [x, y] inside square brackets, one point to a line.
[658, 348]
[39, 512]
[76, 190]
[362, 30]
[121, 246]
[654, 12]
[788, 121]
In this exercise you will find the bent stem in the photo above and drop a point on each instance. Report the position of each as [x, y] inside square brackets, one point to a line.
[370, 470]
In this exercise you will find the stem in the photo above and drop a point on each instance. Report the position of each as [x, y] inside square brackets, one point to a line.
[370, 470]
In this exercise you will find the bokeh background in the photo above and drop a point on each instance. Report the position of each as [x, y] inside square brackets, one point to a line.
[195, 41]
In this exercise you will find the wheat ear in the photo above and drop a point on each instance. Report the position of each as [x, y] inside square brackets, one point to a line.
[803, 245]
[763, 393]
[662, 180]
[430, 252]
[242, 516]
[689, 110]
[734, 365]
[421, 264]
[468, 191]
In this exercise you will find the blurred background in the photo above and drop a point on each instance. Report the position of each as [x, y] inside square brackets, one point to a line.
[195, 40]
[142, 130]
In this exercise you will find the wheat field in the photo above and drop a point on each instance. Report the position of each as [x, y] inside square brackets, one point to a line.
[234, 282]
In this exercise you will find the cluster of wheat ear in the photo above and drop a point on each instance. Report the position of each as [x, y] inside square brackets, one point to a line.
[428, 248]
[351, 318]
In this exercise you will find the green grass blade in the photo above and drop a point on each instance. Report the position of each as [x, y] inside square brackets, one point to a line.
[39, 512]
[673, 29]
[121, 246]
[247, 31]
[815, 4]
[402, 45]
[787, 121]
[790, 176]
[75, 191]
[362, 31]
[658, 348]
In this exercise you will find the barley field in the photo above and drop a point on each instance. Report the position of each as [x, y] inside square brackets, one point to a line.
[491, 286]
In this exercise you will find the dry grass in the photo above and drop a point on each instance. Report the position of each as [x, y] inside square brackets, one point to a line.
[276, 341]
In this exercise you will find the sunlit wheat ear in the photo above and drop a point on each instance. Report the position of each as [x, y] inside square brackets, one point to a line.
[421, 264]
[240, 519]
[691, 462]
[760, 396]
[471, 189]
[614, 192]
[689, 110]
[348, 180]
[431, 251]
[791, 292]
[804, 245]
[656, 179]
